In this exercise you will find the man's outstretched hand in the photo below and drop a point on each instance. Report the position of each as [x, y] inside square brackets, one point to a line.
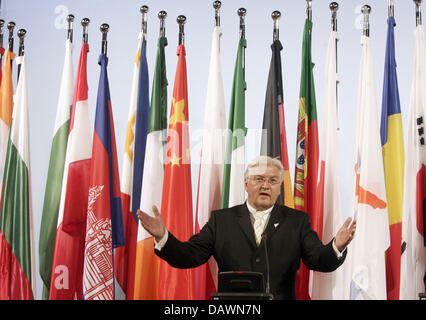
[345, 234]
[154, 225]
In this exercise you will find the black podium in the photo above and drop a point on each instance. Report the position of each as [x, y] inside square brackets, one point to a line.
[241, 285]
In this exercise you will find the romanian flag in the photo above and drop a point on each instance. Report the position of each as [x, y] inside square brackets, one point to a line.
[307, 154]
[274, 144]
[413, 258]
[393, 162]
[176, 204]
[147, 262]
[17, 256]
[67, 269]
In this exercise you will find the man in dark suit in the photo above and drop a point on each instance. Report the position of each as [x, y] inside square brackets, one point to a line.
[234, 235]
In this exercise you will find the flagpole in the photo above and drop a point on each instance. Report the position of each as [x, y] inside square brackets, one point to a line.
[276, 15]
[418, 12]
[70, 20]
[162, 15]
[242, 14]
[309, 9]
[366, 10]
[181, 20]
[85, 23]
[104, 29]
[216, 6]
[144, 11]
[391, 9]
[10, 27]
[21, 35]
[334, 6]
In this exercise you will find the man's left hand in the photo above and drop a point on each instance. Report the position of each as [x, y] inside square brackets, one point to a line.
[345, 234]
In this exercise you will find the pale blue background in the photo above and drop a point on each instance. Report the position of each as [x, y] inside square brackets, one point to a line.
[45, 23]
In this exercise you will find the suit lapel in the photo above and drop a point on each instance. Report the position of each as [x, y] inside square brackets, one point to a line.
[275, 220]
[243, 217]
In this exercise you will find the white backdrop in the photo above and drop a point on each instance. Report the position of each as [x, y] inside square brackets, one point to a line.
[45, 22]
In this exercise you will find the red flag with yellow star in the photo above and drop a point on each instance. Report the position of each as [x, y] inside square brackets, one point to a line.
[176, 205]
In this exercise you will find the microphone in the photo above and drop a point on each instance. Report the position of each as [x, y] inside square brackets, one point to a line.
[268, 289]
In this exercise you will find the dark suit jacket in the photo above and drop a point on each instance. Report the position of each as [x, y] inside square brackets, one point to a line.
[229, 237]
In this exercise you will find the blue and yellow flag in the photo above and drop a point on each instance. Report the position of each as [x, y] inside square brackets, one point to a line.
[393, 162]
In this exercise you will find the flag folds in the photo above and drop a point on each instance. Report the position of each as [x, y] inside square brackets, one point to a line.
[211, 166]
[393, 162]
[413, 258]
[366, 252]
[176, 204]
[274, 139]
[233, 171]
[104, 226]
[17, 256]
[68, 258]
[328, 286]
[52, 195]
[305, 181]
[147, 263]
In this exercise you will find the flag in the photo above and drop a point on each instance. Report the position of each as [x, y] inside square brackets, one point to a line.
[328, 286]
[104, 227]
[67, 268]
[134, 156]
[211, 164]
[176, 204]
[147, 263]
[305, 181]
[52, 195]
[6, 107]
[413, 258]
[369, 208]
[17, 268]
[393, 163]
[274, 144]
[233, 170]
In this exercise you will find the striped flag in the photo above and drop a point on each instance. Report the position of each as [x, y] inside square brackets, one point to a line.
[413, 259]
[274, 144]
[134, 156]
[307, 154]
[366, 252]
[211, 166]
[176, 204]
[147, 263]
[233, 170]
[2, 51]
[52, 195]
[328, 286]
[104, 227]
[393, 163]
[17, 255]
[6, 107]
[67, 269]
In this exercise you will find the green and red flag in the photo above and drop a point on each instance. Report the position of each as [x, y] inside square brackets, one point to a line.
[307, 153]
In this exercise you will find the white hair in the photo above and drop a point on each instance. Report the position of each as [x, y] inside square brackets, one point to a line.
[265, 161]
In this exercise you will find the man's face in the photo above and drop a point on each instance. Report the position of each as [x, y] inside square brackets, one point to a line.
[263, 186]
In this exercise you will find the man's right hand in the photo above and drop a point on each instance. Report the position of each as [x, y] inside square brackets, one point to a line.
[154, 225]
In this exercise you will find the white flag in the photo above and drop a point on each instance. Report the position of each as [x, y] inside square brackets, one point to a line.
[413, 266]
[366, 253]
[329, 285]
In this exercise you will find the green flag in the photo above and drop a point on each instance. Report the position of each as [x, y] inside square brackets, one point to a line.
[52, 194]
[233, 173]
